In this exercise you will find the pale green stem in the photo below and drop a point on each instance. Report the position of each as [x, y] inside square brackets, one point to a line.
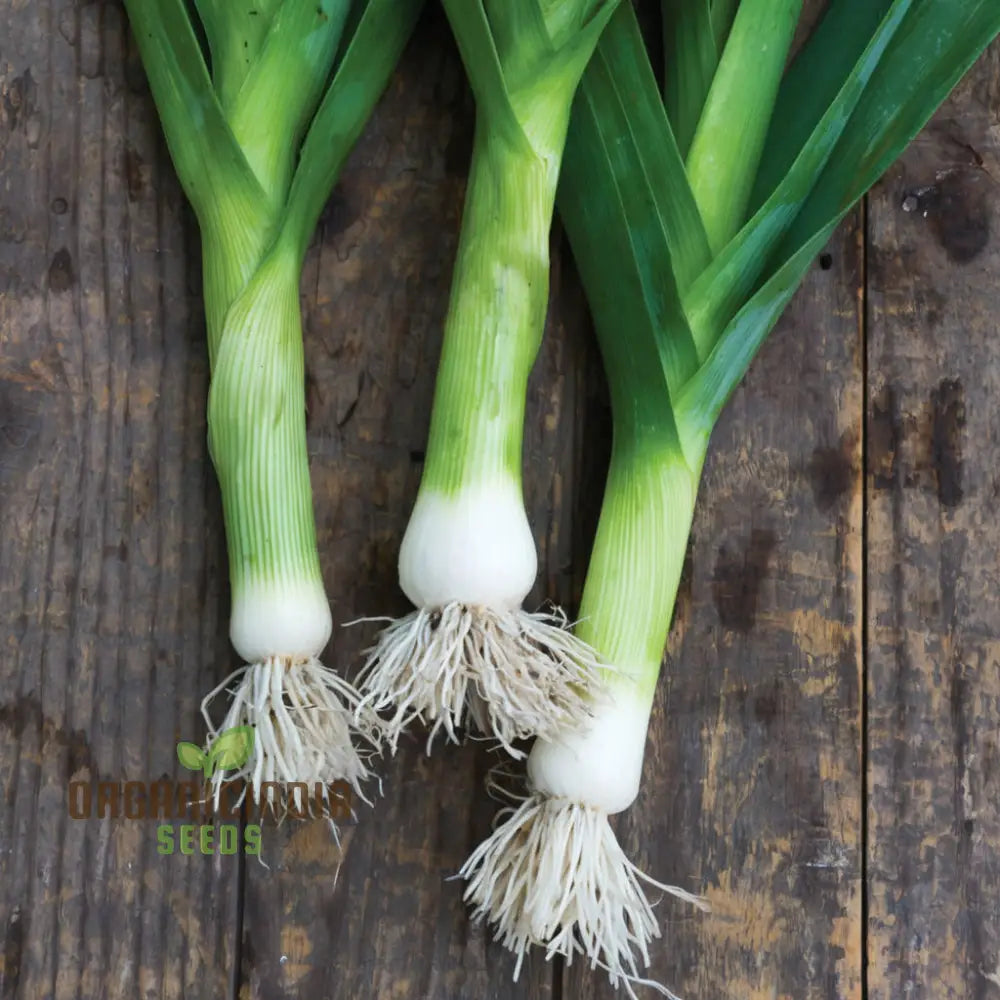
[233, 242]
[637, 559]
[257, 432]
[496, 314]
[726, 150]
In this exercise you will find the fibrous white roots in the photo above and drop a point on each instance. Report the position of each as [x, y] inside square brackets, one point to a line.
[552, 874]
[306, 721]
[512, 674]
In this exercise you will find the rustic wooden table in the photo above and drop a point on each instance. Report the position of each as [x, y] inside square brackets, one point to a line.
[824, 761]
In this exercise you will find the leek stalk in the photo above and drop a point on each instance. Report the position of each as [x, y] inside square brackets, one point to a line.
[257, 144]
[469, 653]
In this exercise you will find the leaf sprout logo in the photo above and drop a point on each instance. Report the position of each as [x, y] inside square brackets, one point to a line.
[229, 751]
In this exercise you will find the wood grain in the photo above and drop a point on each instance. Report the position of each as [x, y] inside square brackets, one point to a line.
[933, 570]
[113, 599]
[113, 591]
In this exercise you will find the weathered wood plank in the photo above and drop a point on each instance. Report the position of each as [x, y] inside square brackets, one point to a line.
[933, 571]
[378, 280]
[113, 570]
[113, 599]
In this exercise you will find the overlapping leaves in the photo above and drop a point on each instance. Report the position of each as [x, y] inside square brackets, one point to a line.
[869, 78]
[525, 57]
[258, 140]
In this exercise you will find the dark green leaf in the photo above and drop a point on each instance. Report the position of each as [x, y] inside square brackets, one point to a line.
[723, 12]
[690, 59]
[209, 162]
[608, 205]
[812, 84]
[620, 85]
[873, 94]
[931, 50]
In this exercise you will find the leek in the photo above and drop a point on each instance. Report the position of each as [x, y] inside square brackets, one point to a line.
[469, 653]
[257, 136]
[686, 275]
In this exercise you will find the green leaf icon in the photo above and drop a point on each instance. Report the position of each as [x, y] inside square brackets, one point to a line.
[190, 756]
[230, 750]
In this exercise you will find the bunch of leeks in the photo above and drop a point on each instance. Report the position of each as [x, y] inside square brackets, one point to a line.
[693, 216]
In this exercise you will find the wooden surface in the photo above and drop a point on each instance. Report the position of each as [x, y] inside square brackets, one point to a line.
[933, 613]
[825, 756]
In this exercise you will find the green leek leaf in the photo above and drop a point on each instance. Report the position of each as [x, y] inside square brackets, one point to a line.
[701, 400]
[734, 274]
[533, 37]
[729, 141]
[473, 33]
[620, 82]
[933, 47]
[524, 59]
[817, 75]
[691, 57]
[874, 89]
[639, 304]
[235, 33]
[374, 49]
[209, 162]
[268, 117]
[723, 12]
[604, 153]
